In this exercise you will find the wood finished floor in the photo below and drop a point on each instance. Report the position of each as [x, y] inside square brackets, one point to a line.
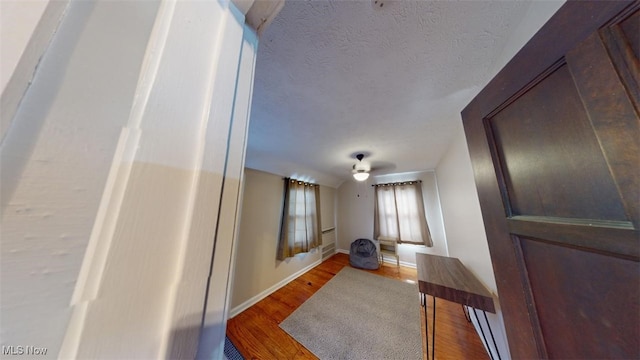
[256, 333]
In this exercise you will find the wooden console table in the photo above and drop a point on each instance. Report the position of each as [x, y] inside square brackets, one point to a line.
[447, 278]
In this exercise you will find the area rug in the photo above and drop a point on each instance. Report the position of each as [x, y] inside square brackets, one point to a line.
[359, 315]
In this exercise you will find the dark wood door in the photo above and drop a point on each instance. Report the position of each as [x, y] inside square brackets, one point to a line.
[554, 140]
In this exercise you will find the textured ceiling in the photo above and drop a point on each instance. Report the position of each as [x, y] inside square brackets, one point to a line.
[334, 78]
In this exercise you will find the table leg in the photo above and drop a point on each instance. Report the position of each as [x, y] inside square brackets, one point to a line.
[490, 333]
[433, 330]
[466, 313]
[423, 303]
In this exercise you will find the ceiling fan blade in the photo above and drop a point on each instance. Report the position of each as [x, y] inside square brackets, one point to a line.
[379, 167]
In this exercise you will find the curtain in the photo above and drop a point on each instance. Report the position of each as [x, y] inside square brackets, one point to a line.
[300, 227]
[399, 213]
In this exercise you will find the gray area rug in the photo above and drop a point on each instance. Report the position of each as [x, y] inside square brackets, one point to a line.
[358, 315]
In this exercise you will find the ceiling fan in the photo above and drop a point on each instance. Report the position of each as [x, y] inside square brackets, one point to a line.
[360, 170]
[363, 168]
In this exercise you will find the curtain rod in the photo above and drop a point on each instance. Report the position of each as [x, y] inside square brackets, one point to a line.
[399, 183]
[300, 181]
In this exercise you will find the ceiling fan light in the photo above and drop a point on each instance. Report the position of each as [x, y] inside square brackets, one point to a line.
[361, 176]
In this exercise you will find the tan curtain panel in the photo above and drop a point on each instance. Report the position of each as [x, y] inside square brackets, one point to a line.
[300, 228]
[399, 213]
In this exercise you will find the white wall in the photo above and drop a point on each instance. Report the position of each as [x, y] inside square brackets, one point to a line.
[355, 213]
[354, 206]
[257, 271]
[328, 218]
[328, 207]
[461, 210]
[536, 15]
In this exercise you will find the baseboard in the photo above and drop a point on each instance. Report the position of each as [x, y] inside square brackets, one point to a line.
[388, 261]
[252, 301]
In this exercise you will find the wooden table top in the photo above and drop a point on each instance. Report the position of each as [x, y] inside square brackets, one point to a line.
[447, 278]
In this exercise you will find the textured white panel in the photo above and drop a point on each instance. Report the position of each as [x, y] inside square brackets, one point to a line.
[19, 20]
[174, 104]
[55, 159]
[26, 30]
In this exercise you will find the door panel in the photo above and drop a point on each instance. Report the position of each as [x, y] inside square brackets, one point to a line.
[575, 311]
[623, 44]
[554, 141]
[612, 114]
[543, 139]
[630, 33]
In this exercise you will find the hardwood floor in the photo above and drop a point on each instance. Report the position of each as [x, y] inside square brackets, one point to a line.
[256, 334]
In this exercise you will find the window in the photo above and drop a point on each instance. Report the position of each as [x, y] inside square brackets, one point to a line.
[399, 213]
[300, 227]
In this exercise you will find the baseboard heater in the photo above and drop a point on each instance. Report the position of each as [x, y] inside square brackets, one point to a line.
[328, 250]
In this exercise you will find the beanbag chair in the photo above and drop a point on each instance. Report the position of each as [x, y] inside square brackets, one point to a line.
[363, 254]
